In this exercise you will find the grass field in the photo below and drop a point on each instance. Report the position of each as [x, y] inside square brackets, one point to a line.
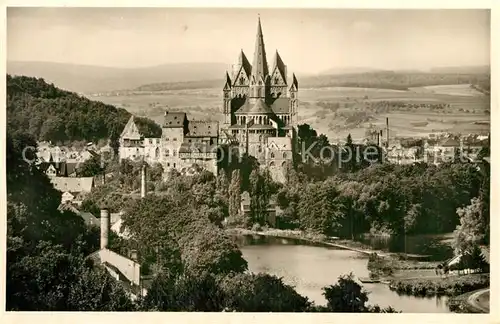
[356, 111]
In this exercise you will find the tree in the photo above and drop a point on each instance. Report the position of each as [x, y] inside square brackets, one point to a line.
[235, 194]
[261, 293]
[346, 296]
[91, 167]
[46, 269]
[318, 210]
[183, 293]
[473, 228]
[258, 198]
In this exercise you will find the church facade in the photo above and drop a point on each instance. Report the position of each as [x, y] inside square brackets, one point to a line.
[260, 108]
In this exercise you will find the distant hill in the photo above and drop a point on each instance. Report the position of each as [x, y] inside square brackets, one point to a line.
[480, 69]
[91, 79]
[396, 80]
[349, 70]
[48, 113]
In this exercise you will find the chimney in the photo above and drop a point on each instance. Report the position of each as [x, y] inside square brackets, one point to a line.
[104, 228]
[133, 255]
[387, 131]
[143, 181]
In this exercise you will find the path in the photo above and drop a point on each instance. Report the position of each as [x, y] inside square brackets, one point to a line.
[480, 300]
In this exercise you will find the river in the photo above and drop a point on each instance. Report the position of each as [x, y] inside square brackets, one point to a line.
[309, 268]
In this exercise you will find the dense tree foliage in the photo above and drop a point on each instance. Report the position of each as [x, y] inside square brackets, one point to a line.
[397, 199]
[46, 248]
[48, 113]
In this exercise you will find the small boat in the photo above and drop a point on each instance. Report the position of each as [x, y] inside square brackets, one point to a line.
[369, 280]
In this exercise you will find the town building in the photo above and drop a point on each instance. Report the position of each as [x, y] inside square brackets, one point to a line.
[260, 108]
[73, 188]
[183, 143]
[125, 269]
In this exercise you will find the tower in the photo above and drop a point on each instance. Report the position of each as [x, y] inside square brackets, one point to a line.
[259, 79]
[227, 101]
[294, 88]
[278, 77]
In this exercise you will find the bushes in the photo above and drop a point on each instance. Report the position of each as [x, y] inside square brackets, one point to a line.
[379, 266]
[451, 286]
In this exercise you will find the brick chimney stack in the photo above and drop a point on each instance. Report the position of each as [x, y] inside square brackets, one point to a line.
[104, 228]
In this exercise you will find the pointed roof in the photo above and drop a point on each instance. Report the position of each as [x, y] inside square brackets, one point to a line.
[227, 86]
[130, 131]
[244, 63]
[259, 65]
[295, 83]
[278, 63]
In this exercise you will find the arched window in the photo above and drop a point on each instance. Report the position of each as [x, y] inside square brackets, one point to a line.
[260, 139]
[284, 155]
[271, 163]
[272, 155]
[157, 152]
[260, 120]
[242, 80]
[283, 163]
[167, 152]
[244, 120]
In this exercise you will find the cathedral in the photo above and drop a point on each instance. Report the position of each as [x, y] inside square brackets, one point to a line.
[260, 109]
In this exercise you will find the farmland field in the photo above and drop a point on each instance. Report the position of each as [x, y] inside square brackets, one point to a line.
[339, 111]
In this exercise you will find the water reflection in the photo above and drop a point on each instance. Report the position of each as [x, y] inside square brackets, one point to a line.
[309, 268]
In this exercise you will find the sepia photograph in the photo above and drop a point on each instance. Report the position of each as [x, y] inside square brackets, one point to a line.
[319, 160]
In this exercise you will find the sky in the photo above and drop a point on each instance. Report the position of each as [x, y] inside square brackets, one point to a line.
[308, 40]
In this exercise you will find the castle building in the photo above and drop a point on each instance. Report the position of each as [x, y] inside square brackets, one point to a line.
[260, 109]
[183, 143]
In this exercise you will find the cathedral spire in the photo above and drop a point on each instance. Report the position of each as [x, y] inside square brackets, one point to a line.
[259, 66]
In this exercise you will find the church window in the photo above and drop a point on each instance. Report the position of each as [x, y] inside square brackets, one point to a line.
[174, 153]
[260, 120]
[242, 80]
[174, 165]
[272, 155]
[271, 163]
[260, 82]
[276, 80]
[168, 164]
[157, 152]
[284, 155]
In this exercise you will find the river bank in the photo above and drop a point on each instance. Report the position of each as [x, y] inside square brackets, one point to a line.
[453, 285]
[476, 301]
